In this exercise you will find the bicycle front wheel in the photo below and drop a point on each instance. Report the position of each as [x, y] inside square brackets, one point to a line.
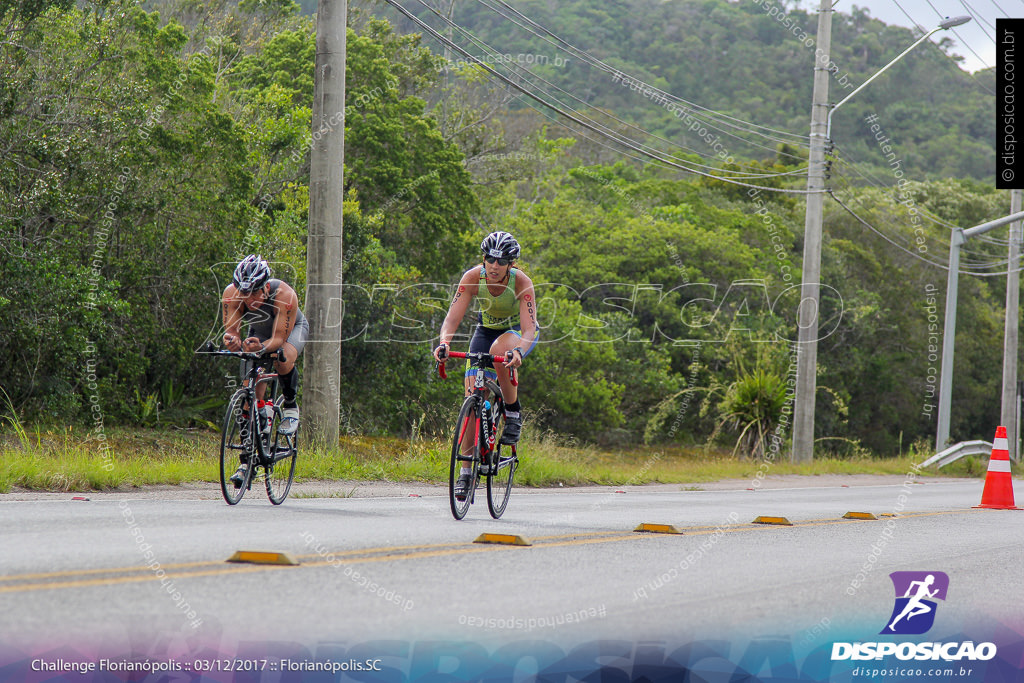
[503, 464]
[236, 446]
[465, 451]
[282, 452]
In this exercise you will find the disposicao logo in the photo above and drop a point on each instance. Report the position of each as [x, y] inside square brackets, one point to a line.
[914, 614]
[916, 593]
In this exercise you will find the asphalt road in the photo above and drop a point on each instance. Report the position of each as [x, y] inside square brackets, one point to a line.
[385, 570]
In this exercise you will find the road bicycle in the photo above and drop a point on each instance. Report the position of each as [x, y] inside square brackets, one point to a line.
[250, 436]
[477, 440]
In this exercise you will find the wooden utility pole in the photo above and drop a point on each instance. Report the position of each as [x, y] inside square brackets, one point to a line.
[322, 396]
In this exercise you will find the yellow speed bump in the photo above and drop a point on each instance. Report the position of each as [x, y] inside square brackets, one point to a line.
[658, 529]
[859, 515]
[501, 539]
[780, 521]
[262, 557]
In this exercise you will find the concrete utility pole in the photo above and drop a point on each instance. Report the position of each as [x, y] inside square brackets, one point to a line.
[807, 355]
[1008, 414]
[807, 347]
[324, 245]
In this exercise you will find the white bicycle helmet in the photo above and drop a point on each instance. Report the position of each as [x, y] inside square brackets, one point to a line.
[251, 274]
[500, 245]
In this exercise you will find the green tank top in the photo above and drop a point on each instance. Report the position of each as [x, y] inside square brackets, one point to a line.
[498, 312]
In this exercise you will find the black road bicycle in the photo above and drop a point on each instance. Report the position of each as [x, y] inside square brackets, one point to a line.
[249, 436]
[477, 440]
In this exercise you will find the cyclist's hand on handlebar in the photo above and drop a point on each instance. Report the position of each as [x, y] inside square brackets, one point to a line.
[232, 343]
[514, 358]
[441, 353]
[252, 345]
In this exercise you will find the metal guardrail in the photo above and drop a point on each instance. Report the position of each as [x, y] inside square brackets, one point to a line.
[957, 451]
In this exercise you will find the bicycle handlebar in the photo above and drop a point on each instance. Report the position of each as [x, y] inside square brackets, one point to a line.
[210, 349]
[458, 354]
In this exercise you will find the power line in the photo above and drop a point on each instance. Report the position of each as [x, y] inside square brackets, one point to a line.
[799, 141]
[593, 126]
[885, 237]
[489, 51]
[888, 189]
[586, 56]
[979, 18]
[645, 162]
[982, 261]
[923, 30]
[965, 44]
[1005, 13]
[912, 21]
[910, 252]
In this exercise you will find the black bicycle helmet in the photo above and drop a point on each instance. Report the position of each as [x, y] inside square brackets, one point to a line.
[500, 245]
[251, 274]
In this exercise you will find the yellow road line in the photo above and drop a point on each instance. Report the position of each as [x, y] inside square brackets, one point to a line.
[205, 563]
[576, 535]
[112, 570]
[243, 569]
[135, 579]
[382, 549]
[366, 555]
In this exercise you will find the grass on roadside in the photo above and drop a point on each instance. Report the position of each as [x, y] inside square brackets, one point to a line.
[77, 461]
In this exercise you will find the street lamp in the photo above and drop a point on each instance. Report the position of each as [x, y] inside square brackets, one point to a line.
[956, 240]
[807, 334]
[947, 24]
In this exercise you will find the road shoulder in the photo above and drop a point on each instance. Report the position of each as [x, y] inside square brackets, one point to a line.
[390, 489]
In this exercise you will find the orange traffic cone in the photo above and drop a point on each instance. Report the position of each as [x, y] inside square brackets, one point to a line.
[998, 493]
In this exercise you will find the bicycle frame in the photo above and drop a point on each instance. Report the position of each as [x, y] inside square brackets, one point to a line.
[254, 440]
[254, 376]
[482, 453]
[480, 392]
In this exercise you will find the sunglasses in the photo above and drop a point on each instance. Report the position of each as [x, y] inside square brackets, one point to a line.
[499, 261]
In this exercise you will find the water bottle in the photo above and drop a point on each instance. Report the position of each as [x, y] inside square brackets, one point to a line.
[267, 410]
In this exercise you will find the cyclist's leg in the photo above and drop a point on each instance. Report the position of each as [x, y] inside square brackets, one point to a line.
[481, 342]
[288, 374]
[510, 392]
[502, 345]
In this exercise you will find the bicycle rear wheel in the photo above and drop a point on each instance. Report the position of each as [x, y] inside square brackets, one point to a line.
[465, 450]
[236, 446]
[503, 463]
[282, 453]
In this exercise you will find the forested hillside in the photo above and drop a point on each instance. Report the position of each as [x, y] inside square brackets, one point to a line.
[146, 148]
[751, 59]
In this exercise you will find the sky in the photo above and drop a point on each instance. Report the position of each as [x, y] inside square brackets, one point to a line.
[977, 35]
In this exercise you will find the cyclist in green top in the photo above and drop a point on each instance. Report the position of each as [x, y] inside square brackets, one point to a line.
[506, 324]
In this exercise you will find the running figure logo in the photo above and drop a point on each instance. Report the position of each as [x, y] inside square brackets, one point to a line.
[914, 612]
